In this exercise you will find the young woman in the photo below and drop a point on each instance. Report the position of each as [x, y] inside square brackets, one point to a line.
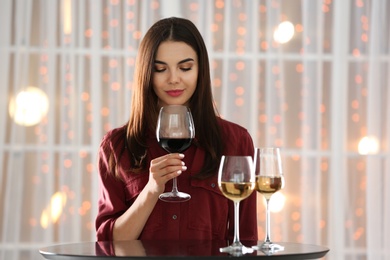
[172, 68]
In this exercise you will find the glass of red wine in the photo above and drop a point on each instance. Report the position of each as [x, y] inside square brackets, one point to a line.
[175, 131]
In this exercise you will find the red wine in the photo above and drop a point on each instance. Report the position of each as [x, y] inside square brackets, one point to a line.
[175, 145]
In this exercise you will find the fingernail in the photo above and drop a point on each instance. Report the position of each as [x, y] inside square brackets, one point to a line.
[181, 155]
[182, 163]
[178, 172]
[184, 168]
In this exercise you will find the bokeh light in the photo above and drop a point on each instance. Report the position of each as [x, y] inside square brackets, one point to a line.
[284, 32]
[53, 211]
[29, 106]
[368, 145]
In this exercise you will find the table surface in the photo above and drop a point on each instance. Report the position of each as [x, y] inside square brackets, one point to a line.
[168, 249]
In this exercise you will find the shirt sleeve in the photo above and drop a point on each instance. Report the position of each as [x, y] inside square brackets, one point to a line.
[112, 196]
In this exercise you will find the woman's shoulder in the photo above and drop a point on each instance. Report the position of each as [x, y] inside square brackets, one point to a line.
[231, 128]
[114, 136]
[237, 140]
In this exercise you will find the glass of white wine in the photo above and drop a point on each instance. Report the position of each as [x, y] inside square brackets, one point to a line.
[269, 179]
[236, 180]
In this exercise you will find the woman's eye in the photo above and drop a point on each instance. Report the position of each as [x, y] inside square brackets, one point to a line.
[159, 69]
[186, 69]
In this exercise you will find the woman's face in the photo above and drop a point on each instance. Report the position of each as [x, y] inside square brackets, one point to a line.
[175, 73]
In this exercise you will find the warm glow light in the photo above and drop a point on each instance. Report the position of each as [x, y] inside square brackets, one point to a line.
[29, 106]
[53, 211]
[57, 203]
[45, 219]
[368, 145]
[284, 32]
[277, 202]
[67, 14]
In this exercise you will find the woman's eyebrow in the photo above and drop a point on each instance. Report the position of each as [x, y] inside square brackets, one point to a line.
[180, 62]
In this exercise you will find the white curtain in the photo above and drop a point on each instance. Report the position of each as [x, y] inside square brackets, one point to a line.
[323, 97]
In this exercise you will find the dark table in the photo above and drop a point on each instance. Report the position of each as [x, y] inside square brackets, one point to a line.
[168, 249]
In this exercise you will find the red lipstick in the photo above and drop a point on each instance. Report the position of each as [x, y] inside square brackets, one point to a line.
[175, 92]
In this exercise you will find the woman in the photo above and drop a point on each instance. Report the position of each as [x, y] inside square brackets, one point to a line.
[172, 68]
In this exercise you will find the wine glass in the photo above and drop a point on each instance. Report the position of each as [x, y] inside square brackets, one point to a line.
[175, 131]
[269, 179]
[236, 180]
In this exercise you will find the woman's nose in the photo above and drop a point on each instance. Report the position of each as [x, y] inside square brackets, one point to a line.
[174, 78]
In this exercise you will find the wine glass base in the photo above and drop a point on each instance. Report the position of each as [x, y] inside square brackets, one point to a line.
[174, 197]
[268, 248]
[236, 249]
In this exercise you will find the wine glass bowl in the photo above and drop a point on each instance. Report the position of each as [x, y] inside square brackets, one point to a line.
[175, 131]
[267, 186]
[269, 180]
[236, 180]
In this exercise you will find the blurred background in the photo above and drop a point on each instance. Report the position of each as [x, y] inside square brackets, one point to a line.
[309, 76]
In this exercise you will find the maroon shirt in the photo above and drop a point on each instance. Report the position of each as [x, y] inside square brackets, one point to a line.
[207, 215]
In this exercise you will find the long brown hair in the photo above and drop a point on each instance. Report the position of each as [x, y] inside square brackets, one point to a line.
[144, 107]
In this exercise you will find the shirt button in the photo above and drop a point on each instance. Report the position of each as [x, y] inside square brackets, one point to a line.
[212, 185]
[174, 217]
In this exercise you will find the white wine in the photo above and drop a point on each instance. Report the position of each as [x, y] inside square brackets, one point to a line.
[237, 191]
[269, 185]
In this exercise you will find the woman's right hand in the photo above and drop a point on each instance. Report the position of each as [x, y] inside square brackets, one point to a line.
[163, 169]
[130, 224]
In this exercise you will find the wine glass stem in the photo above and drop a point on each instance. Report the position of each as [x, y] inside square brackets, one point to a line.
[236, 223]
[267, 223]
[174, 186]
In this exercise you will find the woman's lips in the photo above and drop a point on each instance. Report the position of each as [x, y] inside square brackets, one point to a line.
[175, 93]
